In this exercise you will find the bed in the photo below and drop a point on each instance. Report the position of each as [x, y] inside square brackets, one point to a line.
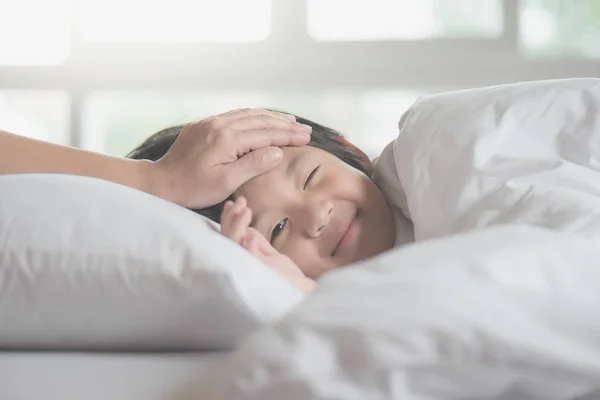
[91, 376]
[498, 299]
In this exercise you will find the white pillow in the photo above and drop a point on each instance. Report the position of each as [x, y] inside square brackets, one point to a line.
[89, 264]
[459, 156]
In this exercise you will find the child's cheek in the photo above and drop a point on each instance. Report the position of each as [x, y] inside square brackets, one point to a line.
[346, 185]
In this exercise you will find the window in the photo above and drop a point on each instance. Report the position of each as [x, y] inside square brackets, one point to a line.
[561, 27]
[403, 19]
[175, 20]
[116, 122]
[34, 32]
[38, 114]
[354, 65]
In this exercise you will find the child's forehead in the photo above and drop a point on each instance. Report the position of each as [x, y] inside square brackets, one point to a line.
[293, 157]
[290, 152]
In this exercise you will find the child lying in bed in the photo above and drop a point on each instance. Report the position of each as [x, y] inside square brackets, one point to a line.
[318, 210]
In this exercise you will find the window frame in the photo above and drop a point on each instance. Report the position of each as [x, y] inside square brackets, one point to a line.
[300, 63]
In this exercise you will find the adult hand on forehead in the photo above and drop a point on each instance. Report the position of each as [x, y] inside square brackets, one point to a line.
[212, 158]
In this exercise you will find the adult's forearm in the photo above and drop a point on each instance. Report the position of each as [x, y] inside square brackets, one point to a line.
[208, 161]
[21, 155]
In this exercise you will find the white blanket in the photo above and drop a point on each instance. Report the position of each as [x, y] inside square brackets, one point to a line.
[481, 311]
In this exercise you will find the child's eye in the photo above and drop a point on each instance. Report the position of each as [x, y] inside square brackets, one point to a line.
[277, 230]
[312, 174]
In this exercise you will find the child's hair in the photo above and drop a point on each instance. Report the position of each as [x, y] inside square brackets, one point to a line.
[322, 137]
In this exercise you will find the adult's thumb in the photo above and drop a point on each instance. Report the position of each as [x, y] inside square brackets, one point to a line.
[255, 163]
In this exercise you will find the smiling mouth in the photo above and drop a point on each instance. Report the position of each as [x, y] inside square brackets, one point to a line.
[343, 237]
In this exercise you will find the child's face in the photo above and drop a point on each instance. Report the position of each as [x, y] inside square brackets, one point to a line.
[338, 218]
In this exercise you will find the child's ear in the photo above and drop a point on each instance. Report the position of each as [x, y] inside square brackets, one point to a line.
[364, 159]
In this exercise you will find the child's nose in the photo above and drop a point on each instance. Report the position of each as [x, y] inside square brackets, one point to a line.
[317, 218]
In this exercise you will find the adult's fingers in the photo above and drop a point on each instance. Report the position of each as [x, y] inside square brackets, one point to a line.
[265, 121]
[254, 139]
[248, 112]
[252, 164]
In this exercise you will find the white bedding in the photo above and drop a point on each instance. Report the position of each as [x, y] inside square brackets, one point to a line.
[101, 376]
[527, 153]
[500, 300]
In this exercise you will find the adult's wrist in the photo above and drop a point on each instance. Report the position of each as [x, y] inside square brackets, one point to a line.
[155, 180]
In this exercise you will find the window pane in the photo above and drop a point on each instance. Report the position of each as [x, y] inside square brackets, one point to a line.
[403, 19]
[38, 114]
[34, 32]
[116, 122]
[561, 27]
[175, 20]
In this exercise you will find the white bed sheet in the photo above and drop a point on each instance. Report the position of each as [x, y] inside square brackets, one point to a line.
[102, 376]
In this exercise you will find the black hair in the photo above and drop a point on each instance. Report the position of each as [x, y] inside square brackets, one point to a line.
[322, 137]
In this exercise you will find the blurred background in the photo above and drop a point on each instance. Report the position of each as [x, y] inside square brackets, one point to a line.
[105, 74]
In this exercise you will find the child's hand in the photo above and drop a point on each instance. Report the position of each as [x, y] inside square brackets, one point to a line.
[235, 224]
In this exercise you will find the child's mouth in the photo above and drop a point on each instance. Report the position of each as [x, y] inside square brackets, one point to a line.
[347, 235]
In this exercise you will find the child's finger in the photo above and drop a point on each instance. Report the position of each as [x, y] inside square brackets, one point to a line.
[240, 224]
[251, 244]
[226, 207]
[240, 203]
[226, 217]
[231, 212]
[261, 242]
